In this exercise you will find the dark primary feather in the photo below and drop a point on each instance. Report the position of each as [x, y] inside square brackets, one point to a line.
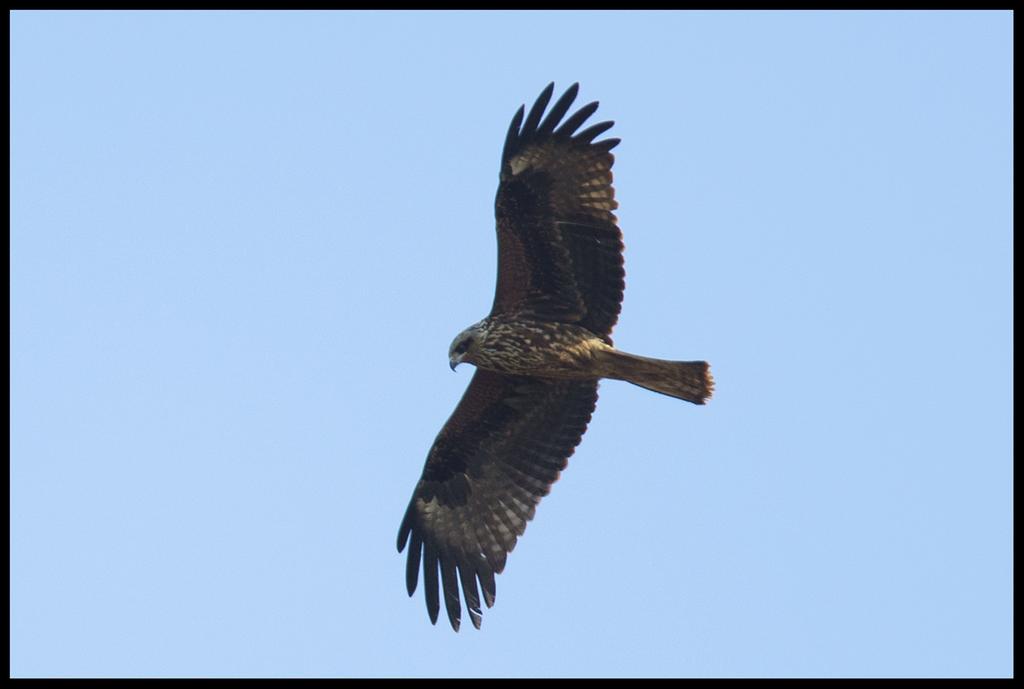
[559, 248]
[496, 457]
[559, 259]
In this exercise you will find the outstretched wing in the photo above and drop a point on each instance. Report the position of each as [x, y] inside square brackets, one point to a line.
[559, 248]
[505, 444]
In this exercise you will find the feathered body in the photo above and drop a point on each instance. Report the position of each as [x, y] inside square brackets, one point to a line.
[539, 356]
[519, 345]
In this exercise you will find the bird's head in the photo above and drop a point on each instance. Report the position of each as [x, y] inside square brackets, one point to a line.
[465, 346]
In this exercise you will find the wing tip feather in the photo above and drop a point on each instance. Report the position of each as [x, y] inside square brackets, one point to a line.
[527, 127]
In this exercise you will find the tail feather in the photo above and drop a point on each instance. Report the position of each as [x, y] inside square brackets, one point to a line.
[685, 380]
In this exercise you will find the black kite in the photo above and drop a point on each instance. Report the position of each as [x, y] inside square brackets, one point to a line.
[539, 356]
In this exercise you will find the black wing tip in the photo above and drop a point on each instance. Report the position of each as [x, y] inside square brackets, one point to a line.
[412, 565]
[450, 590]
[403, 535]
[593, 131]
[512, 137]
[455, 622]
[423, 554]
[405, 528]
[476, 619]
[528, 126]
[452, 574]
[571, 92]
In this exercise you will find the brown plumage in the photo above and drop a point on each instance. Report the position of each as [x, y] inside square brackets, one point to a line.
[539, 356]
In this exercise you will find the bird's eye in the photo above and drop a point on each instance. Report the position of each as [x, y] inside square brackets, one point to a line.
[462, 347]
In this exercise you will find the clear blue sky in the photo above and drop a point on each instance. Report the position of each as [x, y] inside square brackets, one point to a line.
[240, 247]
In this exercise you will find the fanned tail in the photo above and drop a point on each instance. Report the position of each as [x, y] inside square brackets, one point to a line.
[685, 380]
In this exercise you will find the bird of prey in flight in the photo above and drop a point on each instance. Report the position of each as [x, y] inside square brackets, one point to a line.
[539, 355]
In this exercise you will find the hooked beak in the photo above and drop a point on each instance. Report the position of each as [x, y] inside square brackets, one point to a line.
[454, 361]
